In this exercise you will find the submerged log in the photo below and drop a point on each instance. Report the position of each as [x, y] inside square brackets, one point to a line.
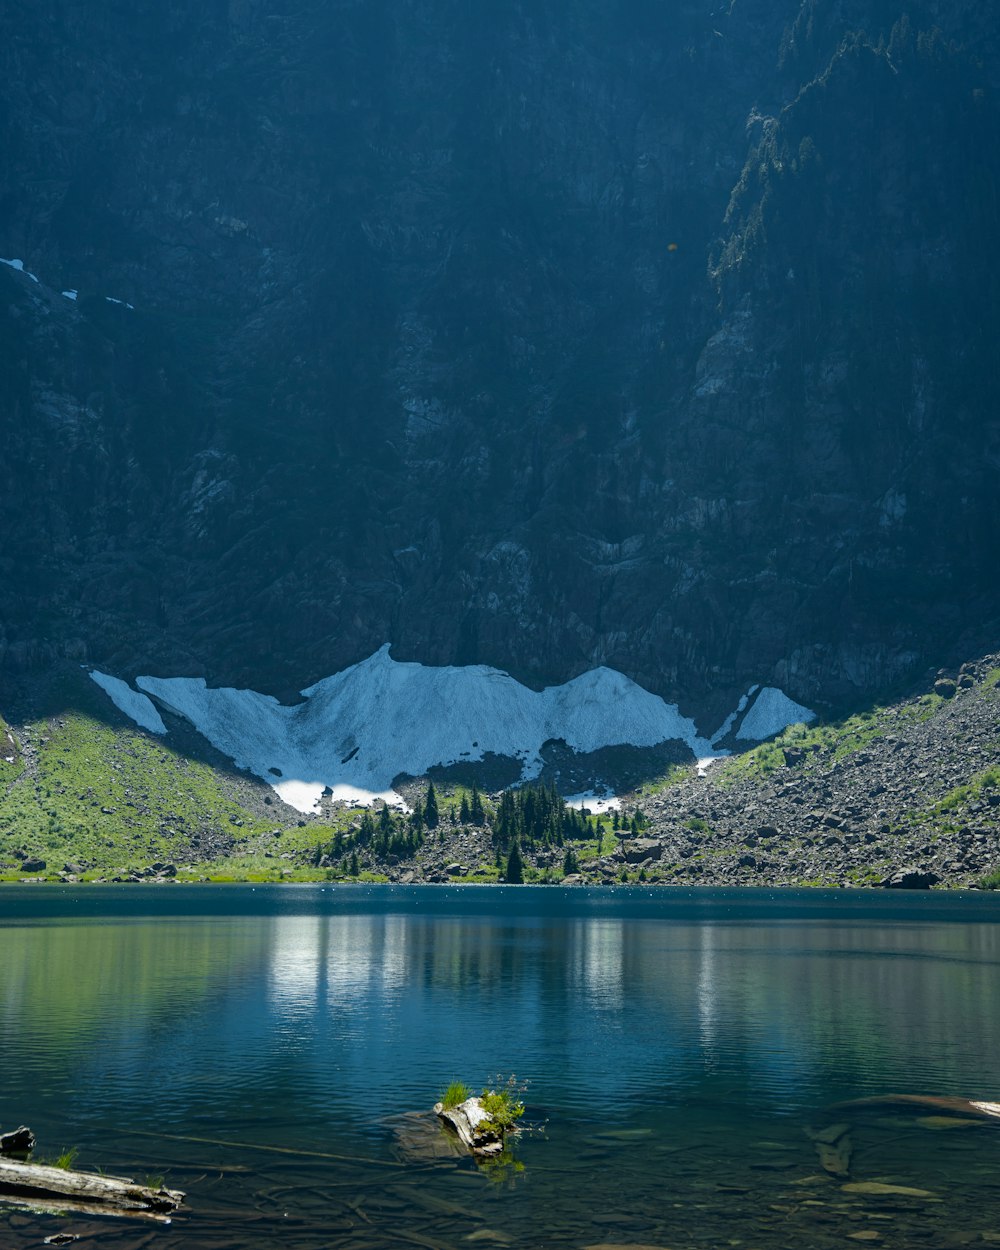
[38, 1181]
[474, 1126]
[958, 1106]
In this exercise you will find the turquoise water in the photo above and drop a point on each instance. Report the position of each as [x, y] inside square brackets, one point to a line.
[274, 1051]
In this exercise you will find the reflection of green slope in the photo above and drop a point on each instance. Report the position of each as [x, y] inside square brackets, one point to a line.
[67, 984]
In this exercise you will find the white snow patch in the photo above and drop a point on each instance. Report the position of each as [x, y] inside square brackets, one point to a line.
[772, 712]
[136, 706]
[358, 730]
[706, 762]
[596, 804]
[730, 720]
[362, 727]
[70, 294]
[19, 266]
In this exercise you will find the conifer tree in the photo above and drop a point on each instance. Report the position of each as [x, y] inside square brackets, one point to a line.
[477, 811]
[354, 868]
[465, 814]
[515, 868]
[431, 807]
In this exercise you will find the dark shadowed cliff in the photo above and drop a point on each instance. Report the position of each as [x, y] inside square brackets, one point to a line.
[533, 334]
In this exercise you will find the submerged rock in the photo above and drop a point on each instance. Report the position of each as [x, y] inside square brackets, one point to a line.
[878, 1189]
[834, 1147]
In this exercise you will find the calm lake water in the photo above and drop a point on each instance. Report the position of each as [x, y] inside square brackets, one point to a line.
[274, 1052]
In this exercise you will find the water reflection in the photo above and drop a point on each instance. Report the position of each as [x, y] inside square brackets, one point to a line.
[600, 1009]
[690, 1029]
[595, 966]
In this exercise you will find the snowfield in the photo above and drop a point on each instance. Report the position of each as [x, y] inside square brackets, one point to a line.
[358, 730]
[136, 706]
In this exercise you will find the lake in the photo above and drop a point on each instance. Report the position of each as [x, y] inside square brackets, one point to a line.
[275, 1051]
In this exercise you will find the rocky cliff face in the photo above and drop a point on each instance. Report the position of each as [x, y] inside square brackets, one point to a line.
[537, 335]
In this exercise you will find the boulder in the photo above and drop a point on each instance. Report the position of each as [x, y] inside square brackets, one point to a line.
[642, 849]
[32, 864]
[911, 879]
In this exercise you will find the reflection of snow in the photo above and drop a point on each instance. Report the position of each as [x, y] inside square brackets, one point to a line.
[348, 957]
[395, 947]
[598, 960]
[137, 707]
[294, 973]
[124, 303]
[708, 1007]
[70, 294]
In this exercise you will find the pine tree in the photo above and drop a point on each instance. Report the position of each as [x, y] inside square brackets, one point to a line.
[515, 868]
[570, 862]
[465, 814]
[354, 868]
[477, 811]
[431, 807]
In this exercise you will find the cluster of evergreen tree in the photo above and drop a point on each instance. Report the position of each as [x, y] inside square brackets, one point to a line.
[623, 825]
[471, 810]
[536, 815]
[527, 818]
[395, 834]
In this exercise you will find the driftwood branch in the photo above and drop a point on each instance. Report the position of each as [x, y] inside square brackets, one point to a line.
[37, 1181]
[474, 1125]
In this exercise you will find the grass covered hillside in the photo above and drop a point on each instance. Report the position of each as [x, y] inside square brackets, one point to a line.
[87, 794]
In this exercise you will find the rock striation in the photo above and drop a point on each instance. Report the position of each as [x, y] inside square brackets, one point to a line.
[658, 338]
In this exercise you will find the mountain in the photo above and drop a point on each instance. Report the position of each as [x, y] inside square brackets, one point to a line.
[531, 335]
[906, 793]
